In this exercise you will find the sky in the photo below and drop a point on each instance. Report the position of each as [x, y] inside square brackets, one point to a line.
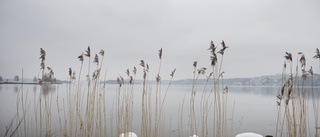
[257, 32]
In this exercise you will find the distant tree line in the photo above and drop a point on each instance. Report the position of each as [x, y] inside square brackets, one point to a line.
[15, 78]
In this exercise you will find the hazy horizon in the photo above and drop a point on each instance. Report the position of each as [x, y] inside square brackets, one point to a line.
[258, 33]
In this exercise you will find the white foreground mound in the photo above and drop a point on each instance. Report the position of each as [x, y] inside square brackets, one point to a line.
[128, 134]
[249, 134]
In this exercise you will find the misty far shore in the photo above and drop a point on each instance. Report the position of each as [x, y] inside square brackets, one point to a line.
[267, 80]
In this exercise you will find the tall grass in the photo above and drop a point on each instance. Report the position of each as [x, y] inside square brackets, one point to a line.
[293, 96]
[219, 124]
[214, 99]
[83, 112]
[315, 102]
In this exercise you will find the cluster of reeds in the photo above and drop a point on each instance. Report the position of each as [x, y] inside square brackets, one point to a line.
[44, 107]
[220, 94]
[193, 129]
[83, 112]
[217, 95]
[93, 121]
[74, 120]
[124, 103]
[292, 98]
[14, 129]
[315, 102]
[152, 119]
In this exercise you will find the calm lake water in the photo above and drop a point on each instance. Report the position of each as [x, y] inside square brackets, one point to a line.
[255, 108]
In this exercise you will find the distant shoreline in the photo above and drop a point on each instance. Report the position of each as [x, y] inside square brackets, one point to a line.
[24, 83]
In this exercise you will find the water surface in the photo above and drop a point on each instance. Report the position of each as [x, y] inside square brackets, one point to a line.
[254, 108]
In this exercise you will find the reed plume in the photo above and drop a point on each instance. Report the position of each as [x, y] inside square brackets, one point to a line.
[160, 53]
[310, 71]
[88, 52]
[315, 104]
[80, 57]
[282, 90]
[288, 56]
[74, 75]
[142, 63]
[70, 72]
[172, 73]
[158, 78]
[131, 80]
[96, 74]
[224, 47]
[134, 70]
[50, 73]
[195, 64]
[43, 58]
[128, 72]
[317, 56]
[96, 59]
[120, 81]
[302, 60]
[101, 52]
[213, 56]
[202, 71]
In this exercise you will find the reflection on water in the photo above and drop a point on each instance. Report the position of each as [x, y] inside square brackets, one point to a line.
[16, 88]
[48, 89]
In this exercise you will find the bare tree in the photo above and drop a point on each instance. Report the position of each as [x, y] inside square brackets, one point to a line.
[16, 78]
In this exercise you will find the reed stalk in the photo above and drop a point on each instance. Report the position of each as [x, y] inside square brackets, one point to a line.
[192, 118]
[59, 114]
[163, 100]
[143, 128]
[17, 108]
[180, 115]
[280, 96]
[23, 105]
[295, 115]
[204, 109]
[70, 101]
[78, 99]
[315, 103]
[158, 98]
[104, 106]
[42, 67]
[74, 120]
[219, 120]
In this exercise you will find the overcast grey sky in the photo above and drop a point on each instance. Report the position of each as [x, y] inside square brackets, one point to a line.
[258, 33]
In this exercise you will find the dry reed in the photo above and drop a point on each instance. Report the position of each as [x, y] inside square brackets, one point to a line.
[294, 121]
